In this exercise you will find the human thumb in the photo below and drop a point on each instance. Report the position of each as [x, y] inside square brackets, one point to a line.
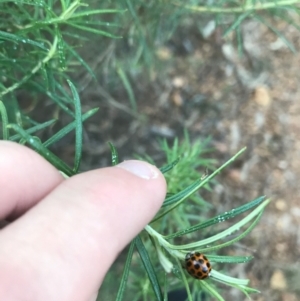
[61, 248]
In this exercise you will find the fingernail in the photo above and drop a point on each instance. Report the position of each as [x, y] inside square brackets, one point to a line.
[139, 168]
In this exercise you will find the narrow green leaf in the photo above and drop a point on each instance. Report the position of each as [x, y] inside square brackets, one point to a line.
[94, 30]
[15, 38]
[26, 119]
[81, 60]
[285, 16]
[182, 194]
[78, 128]
[114, 154]
[67, 129]
[59, 102]
[219, 218]
[240, 284]
[97, 23]
[128, 88]
[185, 282]
[53, 84]
[168, 167]
[96, 11]
[236, 23]
[276, 31]
[50, 78]
[76, 36]
[34, 129]
[149, 268]
[210, 290]
[201, 184]
[64, 5]
[13, 110]
[125, 274]
[256, 212]
[45, 77]
[228, 279]
[165, 287]
[251, 5]
[61, 49]
[229, 259]
[65, 97]
[139, 27]
[239, 237]
[42, 150]
[240, 43]
[249, 290]
[22, 2]
[4, 119]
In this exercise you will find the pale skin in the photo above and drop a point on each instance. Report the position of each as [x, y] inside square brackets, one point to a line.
[63, 234]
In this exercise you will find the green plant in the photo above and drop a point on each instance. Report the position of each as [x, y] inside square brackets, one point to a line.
[193, 160]
[40, 52]
[41, 40]
[38, 43]
[170, 256]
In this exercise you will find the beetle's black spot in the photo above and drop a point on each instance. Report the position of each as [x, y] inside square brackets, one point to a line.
[208, 264]
[201, 261]
[193, 257]
[199, 274]
[188, 264]
[197, 266]
[197, 254]
[205, 257]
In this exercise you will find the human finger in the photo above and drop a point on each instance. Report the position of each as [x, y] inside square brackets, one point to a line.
[62, 248]
[25, 178]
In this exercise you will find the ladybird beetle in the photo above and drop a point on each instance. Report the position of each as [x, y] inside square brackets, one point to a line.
[197, 265]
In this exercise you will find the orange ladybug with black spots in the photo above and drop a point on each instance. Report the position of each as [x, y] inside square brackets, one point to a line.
[197, 265]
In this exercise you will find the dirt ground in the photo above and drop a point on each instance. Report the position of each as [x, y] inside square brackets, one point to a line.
[251, 100]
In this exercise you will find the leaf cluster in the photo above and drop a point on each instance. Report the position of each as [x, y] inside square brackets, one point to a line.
[38, 51]
[41, 40]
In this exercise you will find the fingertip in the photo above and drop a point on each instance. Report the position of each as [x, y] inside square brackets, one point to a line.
[141, 169]
[147, 171]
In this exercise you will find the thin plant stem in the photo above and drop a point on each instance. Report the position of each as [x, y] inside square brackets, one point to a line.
[241, 9]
